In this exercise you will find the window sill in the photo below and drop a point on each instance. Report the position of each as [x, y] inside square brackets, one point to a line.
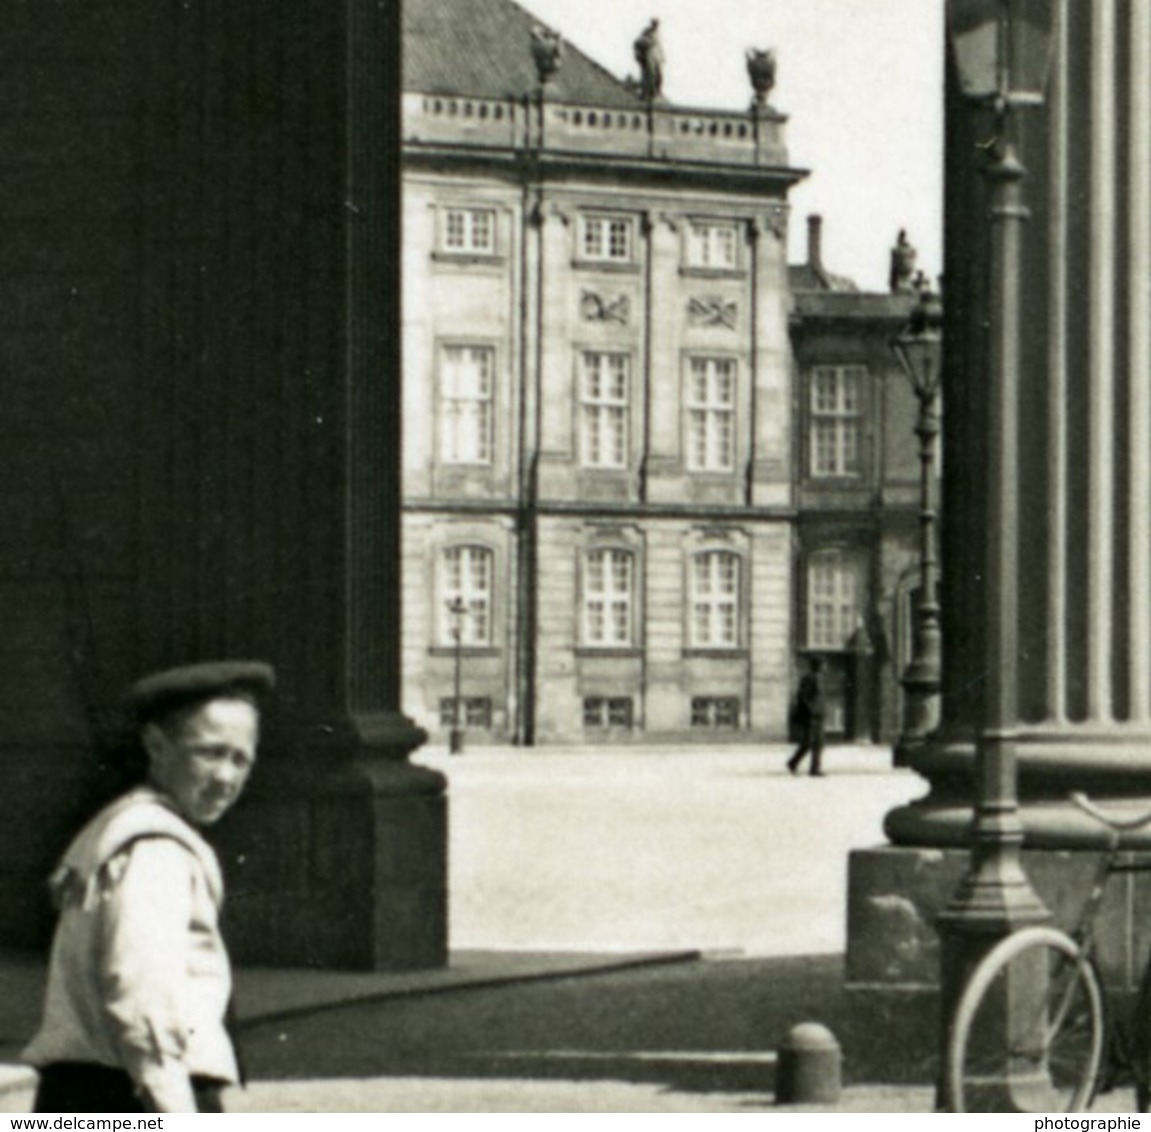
[610, 652]
[713, 272]
[610, 265]
[716, 653]
[465, 650]
[469, 259]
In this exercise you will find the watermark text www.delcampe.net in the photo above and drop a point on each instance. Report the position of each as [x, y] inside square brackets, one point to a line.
[69, 1123]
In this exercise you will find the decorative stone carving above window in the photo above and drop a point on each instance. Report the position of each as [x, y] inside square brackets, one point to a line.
[775, 221]
[605, 308]
[712, 310]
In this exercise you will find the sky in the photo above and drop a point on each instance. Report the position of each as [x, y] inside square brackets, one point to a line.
[860, 80]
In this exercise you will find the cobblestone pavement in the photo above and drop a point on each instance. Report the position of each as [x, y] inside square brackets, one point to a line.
[632, 848]
[603, 849]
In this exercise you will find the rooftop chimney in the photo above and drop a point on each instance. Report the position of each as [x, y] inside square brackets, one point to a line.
[815, 242]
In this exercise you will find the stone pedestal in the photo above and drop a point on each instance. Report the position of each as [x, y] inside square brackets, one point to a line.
[345, 868]
[893, 957]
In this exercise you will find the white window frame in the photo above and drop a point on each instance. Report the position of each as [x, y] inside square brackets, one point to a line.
[835, 405]
[468, 230]
[715, 599]
[609, 575]
[712, 245]
[710, 407]
[706, 712]
[605, 410]
[598, 711]
[467, 395]
[834, 590]
[466, 573]
[606, 238]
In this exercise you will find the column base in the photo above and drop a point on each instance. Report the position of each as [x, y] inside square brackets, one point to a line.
[339, 860]
[1113, 766]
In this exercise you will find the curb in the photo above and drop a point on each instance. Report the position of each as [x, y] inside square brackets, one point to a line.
[466, 983]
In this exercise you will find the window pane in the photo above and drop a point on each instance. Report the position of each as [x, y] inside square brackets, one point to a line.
[715, 617]
[833, 600]
[467, 380]
[604, 409]
[619, 712]
[608, 598]
[466, 577]
[836, 419]
[710, 414]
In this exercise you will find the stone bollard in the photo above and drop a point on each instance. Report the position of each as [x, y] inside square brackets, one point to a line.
[809, 1065]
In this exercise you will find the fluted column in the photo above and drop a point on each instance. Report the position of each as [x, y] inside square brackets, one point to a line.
[1082, 631]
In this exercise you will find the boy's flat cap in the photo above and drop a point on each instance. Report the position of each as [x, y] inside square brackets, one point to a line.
[162, 692]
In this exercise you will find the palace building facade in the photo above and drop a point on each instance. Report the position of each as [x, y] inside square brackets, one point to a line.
[609, 405]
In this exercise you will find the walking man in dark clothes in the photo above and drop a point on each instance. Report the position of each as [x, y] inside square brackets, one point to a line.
[808, 715]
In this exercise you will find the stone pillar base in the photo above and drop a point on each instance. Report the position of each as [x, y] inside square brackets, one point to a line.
[339, 868]
[895, 894]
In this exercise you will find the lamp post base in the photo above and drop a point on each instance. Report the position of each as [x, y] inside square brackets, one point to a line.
[456, 741]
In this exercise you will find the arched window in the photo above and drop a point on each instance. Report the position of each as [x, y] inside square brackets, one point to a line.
[609, 598]
[466, 576]
[715, 604]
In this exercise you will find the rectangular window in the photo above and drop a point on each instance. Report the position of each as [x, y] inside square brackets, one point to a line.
[836, 419]
[711, 414]
[604, 385]
[469, 230]
[833, 601]
[477, 711]
[606, 238]
[712, 244]
[608, 588]
[466, 596]
[467, 380]
[715, 712]
[608, 711]
[715, 600]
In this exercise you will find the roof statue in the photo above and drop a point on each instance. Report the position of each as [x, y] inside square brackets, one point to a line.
[761, 72]
[903, 257]
[547, 51]
[649, 55]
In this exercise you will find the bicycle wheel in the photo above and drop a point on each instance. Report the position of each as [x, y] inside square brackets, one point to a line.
[1028, 1030]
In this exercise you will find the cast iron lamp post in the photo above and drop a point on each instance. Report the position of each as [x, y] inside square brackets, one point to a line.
[918, 348]
[458, 612]
[1001, 51]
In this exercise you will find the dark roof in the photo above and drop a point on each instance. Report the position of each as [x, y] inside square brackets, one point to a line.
[866, 305]
[483, 48]
[807, 277]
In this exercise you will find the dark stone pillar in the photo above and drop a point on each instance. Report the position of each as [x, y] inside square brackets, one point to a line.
[1083, 624]
[1082, 630]
[206, 354]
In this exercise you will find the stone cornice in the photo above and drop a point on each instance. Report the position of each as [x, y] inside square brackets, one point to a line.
[605, 167]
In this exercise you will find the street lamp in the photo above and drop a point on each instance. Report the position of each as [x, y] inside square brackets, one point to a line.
[919, 351]
[458, 611]
[1001, 50]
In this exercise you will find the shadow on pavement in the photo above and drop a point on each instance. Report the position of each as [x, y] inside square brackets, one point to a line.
[707, 1026]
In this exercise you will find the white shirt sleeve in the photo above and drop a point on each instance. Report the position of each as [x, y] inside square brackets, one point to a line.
[143, 963]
